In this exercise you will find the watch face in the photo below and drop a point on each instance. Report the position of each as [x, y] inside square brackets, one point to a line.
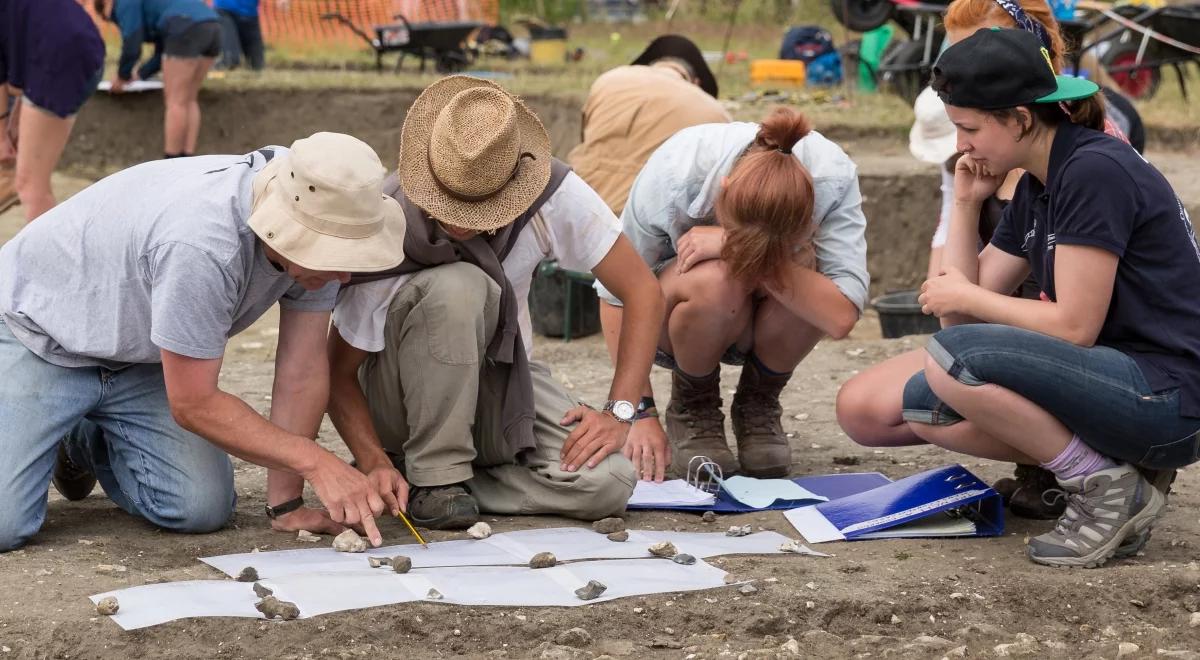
[623, 409]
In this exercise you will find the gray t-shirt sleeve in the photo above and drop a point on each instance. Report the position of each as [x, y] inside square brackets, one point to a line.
[299, 299]
[193, 297]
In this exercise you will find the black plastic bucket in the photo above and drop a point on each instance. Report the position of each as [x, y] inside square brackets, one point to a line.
[900, 315]
[563, 303]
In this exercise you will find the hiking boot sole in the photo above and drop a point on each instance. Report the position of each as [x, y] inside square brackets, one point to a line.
[72, 482]
[1137, 525]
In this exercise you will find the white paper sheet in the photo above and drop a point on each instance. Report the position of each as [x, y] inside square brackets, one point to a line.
[152, 604]
[134, 86]
[672, 492]
[509, 548]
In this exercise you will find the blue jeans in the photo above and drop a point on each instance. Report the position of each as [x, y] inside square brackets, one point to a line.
[1099, 393]
[119, 426]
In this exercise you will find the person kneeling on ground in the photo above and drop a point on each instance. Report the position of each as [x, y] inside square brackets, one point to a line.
[757, 235]
[432, 364]
[115, 311]
[1102, 375]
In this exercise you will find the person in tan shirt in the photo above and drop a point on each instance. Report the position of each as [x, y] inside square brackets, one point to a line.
[633, 109]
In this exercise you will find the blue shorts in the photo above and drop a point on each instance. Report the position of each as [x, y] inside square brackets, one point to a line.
[1099, 393]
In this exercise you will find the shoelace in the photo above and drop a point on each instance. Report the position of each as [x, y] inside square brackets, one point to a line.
[760, 414]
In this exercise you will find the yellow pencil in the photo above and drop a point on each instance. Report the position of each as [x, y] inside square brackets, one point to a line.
[404, 518]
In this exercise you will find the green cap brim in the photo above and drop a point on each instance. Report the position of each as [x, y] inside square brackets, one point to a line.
[1070, 88]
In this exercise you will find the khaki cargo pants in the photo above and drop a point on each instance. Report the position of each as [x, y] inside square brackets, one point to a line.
[433, 400]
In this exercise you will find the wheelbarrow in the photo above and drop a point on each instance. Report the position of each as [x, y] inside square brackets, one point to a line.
[442, 42]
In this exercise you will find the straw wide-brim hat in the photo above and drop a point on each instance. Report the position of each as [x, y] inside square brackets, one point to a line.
[933, 137]
[472, 155]
[321, 206]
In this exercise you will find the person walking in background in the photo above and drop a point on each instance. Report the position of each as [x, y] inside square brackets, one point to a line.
[187, 39]
[51, 58]
[633, 109]
[241, 33]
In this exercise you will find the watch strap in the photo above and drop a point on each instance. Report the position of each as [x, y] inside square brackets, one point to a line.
[287, 507]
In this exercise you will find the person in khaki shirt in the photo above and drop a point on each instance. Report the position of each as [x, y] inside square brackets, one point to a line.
[633, 109]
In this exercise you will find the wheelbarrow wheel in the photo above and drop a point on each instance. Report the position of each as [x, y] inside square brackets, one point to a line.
[861, 15]
[900, 70]
[1138, 83]
[452, 62]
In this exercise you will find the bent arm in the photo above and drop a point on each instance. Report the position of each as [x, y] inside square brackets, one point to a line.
[300, 391]
[1083, 282]
[348, 404]
[626, 276]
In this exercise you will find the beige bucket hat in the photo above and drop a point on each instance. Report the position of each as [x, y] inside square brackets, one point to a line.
[472, 155]
[321, 205]
[933, 138]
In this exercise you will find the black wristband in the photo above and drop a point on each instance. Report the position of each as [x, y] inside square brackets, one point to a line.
[645, 404]
[287, 507]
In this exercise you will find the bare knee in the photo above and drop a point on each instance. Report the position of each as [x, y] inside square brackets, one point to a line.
[709, 284]
[859, 411]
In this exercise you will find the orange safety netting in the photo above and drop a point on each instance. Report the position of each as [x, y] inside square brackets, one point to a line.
[299, 23]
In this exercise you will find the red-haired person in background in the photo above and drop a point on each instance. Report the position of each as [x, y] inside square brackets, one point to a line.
[756, 233]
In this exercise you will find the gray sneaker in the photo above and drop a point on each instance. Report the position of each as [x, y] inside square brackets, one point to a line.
[1103, 510]
[442, 507]
[1162, 480]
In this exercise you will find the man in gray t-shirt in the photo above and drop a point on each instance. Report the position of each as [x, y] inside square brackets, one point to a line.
[115, 308]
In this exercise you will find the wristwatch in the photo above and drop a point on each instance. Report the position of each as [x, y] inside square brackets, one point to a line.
[623, 411]
[287, 507]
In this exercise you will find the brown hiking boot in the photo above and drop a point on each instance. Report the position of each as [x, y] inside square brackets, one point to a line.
[8, 187]
[695, 423]
[1025, 493]
[763, 448]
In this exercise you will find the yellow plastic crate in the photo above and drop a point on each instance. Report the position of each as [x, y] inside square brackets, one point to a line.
[777, 72]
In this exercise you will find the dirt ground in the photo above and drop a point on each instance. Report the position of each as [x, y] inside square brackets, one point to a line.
[902, 598]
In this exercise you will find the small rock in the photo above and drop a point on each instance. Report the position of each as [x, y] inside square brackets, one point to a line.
[543, 560]
[730, 578]
[434, 594]
[794, 546]
[376, 562]
[576, 637]
[709, 517]
[895, 619]
[307, 536]
[111, 569]
[272, 607]
[735, 531]
[1127, 648]
[609, 525]
[957, 652]
[619, 537]
[261, 591]
[248, 574]
[1137, 603]
[1025, 645]
[107, 606]
[349, 541]
[479, 531]
[1194, 620]
[747, 589]
[590, 591]
[791, 647]
[401, 564]
[685, 559]
[846, 460]
[663, 549]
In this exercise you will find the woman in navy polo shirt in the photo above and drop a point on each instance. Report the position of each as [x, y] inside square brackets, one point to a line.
[51, 58]
[1101, 376]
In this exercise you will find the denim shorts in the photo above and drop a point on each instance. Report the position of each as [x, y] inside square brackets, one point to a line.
[1099, 393]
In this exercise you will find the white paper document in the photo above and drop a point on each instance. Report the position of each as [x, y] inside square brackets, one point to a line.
[133, 86]
[673, 492]
[507, 549]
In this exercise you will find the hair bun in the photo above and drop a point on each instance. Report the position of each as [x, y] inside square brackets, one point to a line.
[782, 129]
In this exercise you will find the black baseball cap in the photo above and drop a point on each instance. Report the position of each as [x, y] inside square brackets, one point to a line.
[679, 46]
[1003, 68]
